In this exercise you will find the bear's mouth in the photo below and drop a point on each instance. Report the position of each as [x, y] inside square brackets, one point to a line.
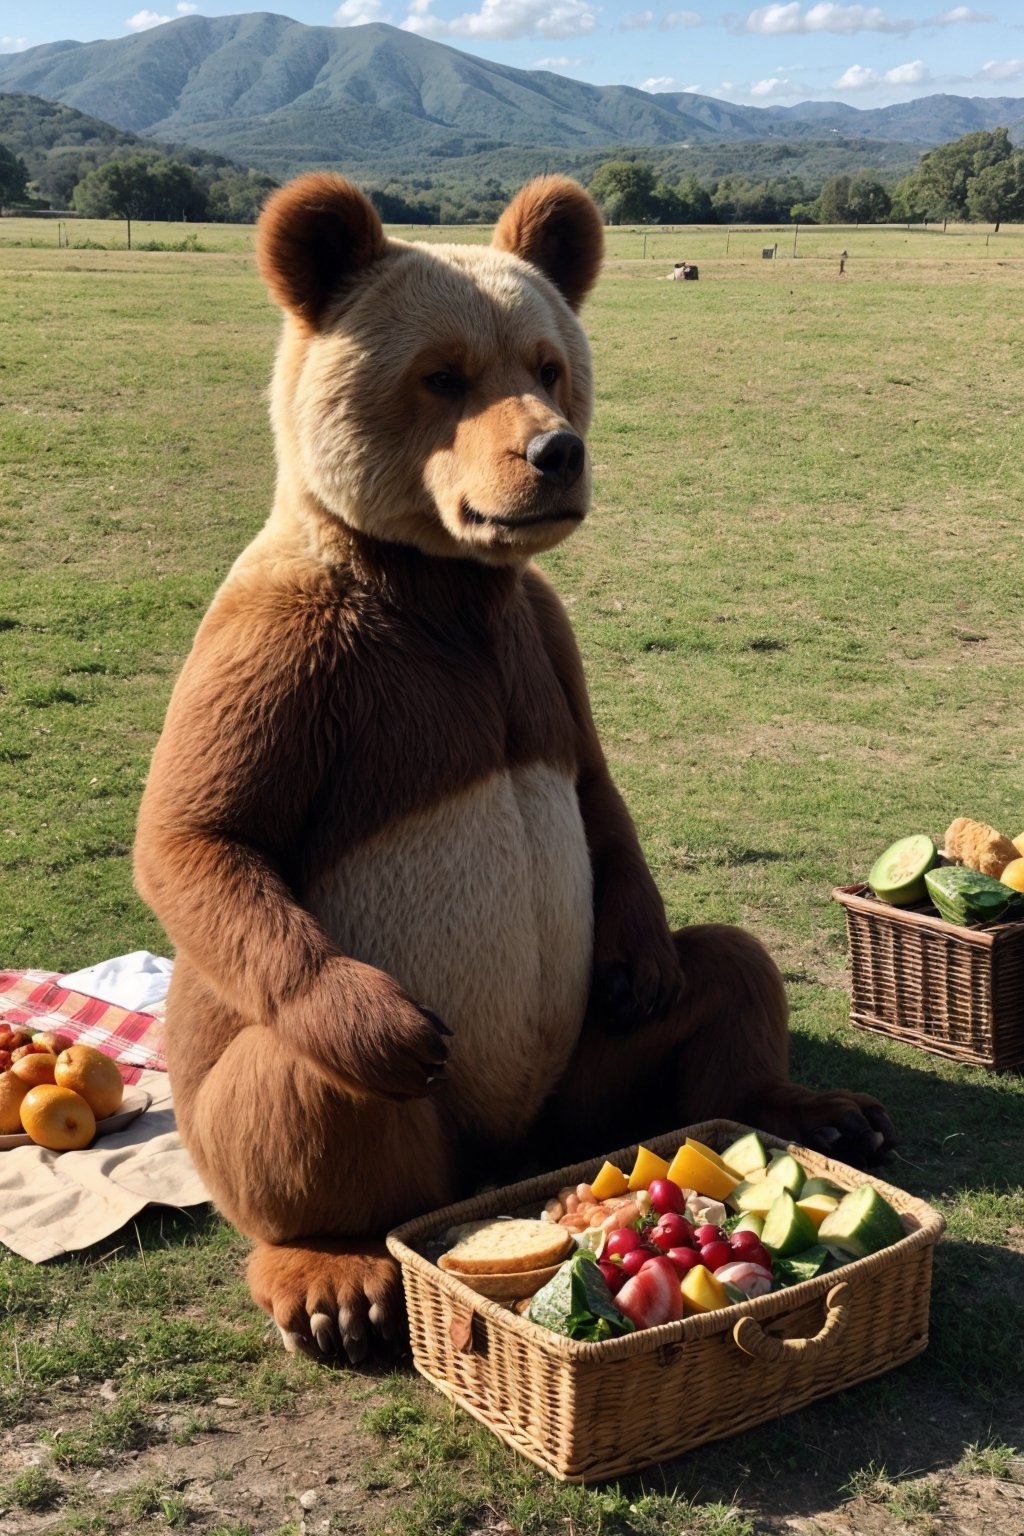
[493, 520]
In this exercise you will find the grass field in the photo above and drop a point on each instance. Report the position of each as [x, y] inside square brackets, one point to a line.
[799, 602]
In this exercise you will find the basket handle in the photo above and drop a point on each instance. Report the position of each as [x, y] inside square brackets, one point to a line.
[752, 1339]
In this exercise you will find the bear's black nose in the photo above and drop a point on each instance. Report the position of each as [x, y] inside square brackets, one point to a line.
[558, 456]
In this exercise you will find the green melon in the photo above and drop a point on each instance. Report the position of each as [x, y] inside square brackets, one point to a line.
[786, 1173]
[863, 1222]
[897, 875]
[787, 1229]
[746, 1154]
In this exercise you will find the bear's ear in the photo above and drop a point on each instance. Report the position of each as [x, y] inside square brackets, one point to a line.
[555, 225]
[314, 236]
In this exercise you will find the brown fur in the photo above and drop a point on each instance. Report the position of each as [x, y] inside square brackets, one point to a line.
[405, 894]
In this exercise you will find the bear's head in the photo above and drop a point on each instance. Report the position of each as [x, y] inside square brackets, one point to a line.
[434, 395]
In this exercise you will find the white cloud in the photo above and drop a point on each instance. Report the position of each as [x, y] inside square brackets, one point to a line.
[635, 22]
[958, 14]
[1001, 69]
[774, 88]
[13, 44]
[673, 19]
[914, 73]
[661, 84]
[143, 20]
[356, 13]
[857, 78]
[184, 9]
[561, 62]
[504, 20]
[785, 20]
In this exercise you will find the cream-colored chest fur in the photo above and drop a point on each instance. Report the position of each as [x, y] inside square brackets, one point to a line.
[482, 908]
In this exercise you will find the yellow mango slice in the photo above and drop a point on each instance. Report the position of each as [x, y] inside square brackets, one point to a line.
[817, 1207]
[696, 1167]
[648, 1166]
[610, 1181]
[702, 1292]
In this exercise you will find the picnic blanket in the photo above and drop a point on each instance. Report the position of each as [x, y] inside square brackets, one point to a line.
[54, 1203]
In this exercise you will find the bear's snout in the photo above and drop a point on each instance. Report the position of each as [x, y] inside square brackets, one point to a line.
[557, 456]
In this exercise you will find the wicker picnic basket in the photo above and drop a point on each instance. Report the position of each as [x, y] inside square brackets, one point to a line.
[957, 992]
[586, 1412]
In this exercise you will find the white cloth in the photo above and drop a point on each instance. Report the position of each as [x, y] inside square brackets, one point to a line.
[138, 981]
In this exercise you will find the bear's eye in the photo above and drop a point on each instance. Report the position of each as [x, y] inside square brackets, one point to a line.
[445, 382]
[549, 375]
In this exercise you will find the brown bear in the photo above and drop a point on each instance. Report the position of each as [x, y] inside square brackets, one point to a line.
[412, 918]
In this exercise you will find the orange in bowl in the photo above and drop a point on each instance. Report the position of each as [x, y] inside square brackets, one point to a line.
[92, 1075]
[35, 1069]
[57, 1118]
[12, 1095]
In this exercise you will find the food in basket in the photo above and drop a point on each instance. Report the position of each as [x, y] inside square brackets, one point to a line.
[863, 1222]
[966, 897]
[657, 1267]
[57, 1118]
[897, 875]
[578, 1303]
[979, 846]
[506, 1247]
[1013, 875]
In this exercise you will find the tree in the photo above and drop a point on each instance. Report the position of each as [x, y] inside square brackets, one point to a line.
[834, 200]
[944, 174]
[624, 190]
[13, 176]
[997, 191]
[141, 187]
[867, 200]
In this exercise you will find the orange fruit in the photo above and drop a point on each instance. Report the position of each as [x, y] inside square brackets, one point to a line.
[57, 1118]
[52, 1041]
[89, 1073]
[35, 1069]
[1013, 874]
[12, 1094]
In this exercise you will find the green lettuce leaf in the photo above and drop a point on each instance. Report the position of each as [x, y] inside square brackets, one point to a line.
[577, 1302]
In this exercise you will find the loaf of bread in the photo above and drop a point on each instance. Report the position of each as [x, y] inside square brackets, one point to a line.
[979, 846]
[506, 1247]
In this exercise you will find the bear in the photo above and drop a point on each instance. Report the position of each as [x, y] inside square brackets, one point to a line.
[416, 936]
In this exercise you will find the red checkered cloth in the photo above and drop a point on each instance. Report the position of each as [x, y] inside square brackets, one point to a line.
[36, 1000]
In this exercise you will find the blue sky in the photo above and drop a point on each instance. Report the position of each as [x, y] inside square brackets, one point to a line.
[784, 52]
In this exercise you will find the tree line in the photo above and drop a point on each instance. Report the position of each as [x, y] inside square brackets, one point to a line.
[977, 177]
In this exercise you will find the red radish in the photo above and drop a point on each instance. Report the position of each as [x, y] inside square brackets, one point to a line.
[633, 1262]
[714, 1255]
[708, 1234]
[758, 1255]
[744, 1239]
[622, 1240]
[614, 1274]
[653, 1296]
[672, 1231]
[665, 1196]
[684, 1259]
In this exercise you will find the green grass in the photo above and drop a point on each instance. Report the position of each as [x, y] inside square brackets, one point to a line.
[798, 603]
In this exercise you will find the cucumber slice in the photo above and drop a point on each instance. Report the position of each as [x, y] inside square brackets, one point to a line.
[744, 1155]
[862, 1223]
[897, 876]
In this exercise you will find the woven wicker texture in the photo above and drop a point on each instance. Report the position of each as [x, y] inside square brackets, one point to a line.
[587, 1412]
[956, 992]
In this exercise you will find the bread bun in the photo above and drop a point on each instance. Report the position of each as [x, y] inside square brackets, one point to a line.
[506, 1247]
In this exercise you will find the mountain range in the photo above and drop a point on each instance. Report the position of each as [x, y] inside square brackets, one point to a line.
[279, 95]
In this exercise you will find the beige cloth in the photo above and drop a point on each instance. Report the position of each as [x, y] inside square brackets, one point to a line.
[56, 1202]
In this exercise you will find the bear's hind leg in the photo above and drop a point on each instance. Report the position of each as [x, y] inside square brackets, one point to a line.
[316, 1178]
[722, 1051]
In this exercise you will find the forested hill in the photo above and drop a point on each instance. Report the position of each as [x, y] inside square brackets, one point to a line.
[273, 93]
